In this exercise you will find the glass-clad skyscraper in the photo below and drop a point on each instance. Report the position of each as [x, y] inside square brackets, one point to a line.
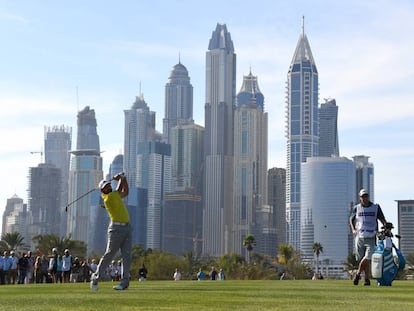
[328, 129]
[58, 143]
[219, 108]
[328, 185]
[302, 130]
[178, 100]
[250, 213]
[84, 175]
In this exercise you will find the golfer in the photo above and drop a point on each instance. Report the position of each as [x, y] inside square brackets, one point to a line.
[119, 231]
[364, 224]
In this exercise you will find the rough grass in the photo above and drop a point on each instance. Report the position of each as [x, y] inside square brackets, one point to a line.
[209, 295]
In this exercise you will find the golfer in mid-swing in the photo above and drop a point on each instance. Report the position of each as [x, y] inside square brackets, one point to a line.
[119, 231]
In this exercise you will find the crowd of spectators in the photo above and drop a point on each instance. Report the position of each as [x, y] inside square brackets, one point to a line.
[25, 268]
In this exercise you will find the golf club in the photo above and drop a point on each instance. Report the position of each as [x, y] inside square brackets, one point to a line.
[77, 199]
[85, 194]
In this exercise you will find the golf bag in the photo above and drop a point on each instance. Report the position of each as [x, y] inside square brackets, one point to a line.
[384, 267]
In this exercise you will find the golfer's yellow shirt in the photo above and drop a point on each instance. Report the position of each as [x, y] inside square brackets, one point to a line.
[115, 207]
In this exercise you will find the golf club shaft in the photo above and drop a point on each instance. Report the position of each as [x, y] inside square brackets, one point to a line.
[77, 199]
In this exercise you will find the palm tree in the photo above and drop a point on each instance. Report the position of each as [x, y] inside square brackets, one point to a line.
[45, 242]
[248, 244]
[12, 241]
[317, 250]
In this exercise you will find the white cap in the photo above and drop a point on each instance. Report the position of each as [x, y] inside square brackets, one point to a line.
[362, 192]
[103, 183]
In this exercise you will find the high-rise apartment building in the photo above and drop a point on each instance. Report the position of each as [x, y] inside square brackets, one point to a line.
[364, 176]
[45, 184]
[84, 175]
[139, 128]
[302, 130]
[405, 226]
[218, 164]
[250, 212]
[154, 174]
[277, 198]
[328, 129]
[182, 212]
[148, 169]
[178, 100]
[328, 185]
[58, 143]
[15, 218]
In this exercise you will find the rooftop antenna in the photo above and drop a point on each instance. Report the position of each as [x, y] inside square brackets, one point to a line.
[140, 92]
[179, 57]
[77, 98]
[303, 25]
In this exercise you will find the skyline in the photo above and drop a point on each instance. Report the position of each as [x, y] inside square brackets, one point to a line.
[61, 58]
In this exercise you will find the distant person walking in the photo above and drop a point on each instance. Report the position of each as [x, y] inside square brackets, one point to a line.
[119, 231]
[177, 275]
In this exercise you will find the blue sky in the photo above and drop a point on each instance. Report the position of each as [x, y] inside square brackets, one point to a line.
[59, 56]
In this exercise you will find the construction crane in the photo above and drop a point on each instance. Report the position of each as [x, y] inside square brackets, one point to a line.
[41, 155]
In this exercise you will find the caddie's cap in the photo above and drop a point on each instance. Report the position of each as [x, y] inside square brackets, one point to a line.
[103, 183]
[363, 192]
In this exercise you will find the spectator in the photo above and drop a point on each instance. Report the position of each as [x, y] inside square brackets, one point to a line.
[221, 275]
[200, 275]
[177, 275]
[142, 273]
[53, 262]
[38, 270]
[13, 269]
[67, 265]
[76, 269]
[59, 271]
[6, 267]
[22, 266]
[45, 278]
[213, 274]
[2, 270]
[30, 268]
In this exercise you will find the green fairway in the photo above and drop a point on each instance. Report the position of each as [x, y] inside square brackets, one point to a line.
[208, 295]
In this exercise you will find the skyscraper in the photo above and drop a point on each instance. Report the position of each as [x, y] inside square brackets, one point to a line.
[249, 213]
[58, 143]
[154, 174]
[277, 198]
[139, 128]
[328, 129]
[219, 110]
[44, 199]
[178, 100]
[15, 217]
[405, 225]
[147, 166]
[84, 175]
[328, 185]
[302, 131]
[364, 176]
[182, 213]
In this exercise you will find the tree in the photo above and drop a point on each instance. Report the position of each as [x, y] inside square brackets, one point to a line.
[45, 242]
[248, 244]
[317, 250]
[12, 241]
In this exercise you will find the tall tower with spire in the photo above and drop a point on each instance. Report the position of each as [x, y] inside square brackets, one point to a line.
[83, 219]
[302, 129]
[219, 110]
[250, 168]
[178, 100]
